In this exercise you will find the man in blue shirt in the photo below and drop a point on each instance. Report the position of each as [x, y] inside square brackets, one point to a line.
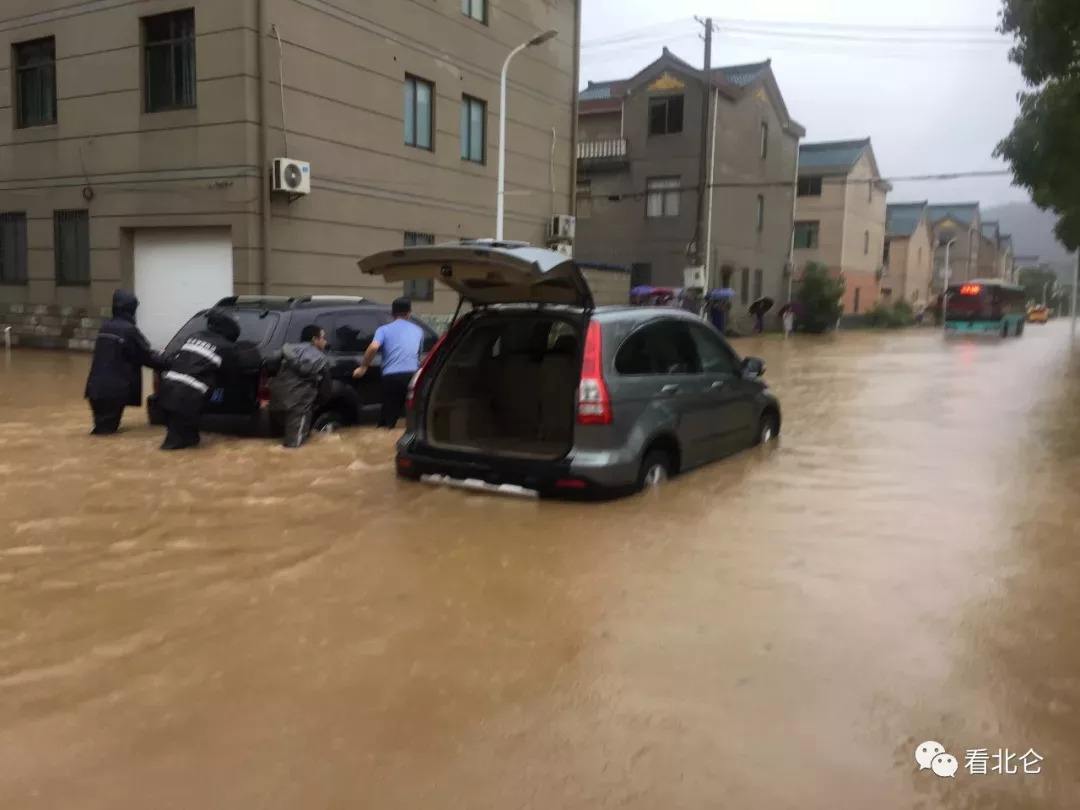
[400, 342]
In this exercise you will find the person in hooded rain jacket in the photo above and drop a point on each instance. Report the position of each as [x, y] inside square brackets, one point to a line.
[120, 352]
[206, 358]
[301, 382]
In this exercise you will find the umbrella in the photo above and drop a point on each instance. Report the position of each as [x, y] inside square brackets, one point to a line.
[642, 290]
[727, 292]
[761, 306]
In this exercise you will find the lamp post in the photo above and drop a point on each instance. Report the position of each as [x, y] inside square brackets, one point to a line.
[539, 39]
[945, 281]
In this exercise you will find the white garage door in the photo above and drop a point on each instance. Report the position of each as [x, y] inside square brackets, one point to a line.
[179, 271]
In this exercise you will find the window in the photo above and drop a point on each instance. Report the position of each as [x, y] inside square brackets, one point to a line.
[920, 255]
[352, 330]
[169, 61]
[759, 284]
[886, 293]
[584, 199]
[759, 218]
[256, 328]
[866, 243]
[744, 286]
[13, 248]
[71, 244]
[35, 82]
[641, 275]
[662, 197]
[713, 356]
[473, 122]
[885, 253]
[419, 121]
[806, 234]
[855, 305]
[419, 289]
[809, 186]
[665, 115]
[477, 9]
[764, 151]
[661, 347]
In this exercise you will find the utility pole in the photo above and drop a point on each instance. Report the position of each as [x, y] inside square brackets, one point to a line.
[700, 259]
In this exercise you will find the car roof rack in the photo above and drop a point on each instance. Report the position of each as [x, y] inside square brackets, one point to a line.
[326, 300]
[255, 301]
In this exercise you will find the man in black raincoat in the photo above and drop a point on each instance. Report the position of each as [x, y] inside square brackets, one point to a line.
[302, 381]
[120, 352]
[206, 358]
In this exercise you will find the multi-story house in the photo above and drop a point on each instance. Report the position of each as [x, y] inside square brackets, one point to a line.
[989, 262]
[1008, 263]
[909, 254]
[840, 217]
[137, 141]
[639, 162]
[958, 225]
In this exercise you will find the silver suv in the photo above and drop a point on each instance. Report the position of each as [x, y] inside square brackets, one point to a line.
[537, 389]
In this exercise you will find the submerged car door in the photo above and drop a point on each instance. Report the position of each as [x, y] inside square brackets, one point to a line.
[660, 388]
[350, 333]
[728, 401]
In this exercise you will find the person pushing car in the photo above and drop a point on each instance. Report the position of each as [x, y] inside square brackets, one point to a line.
[206, 358]
[120, 352]
[301, 382]
[400, 342]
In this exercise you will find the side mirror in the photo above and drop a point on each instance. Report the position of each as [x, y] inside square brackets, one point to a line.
[753, 367]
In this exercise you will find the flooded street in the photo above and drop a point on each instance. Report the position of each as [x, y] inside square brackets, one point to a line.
[248, 627]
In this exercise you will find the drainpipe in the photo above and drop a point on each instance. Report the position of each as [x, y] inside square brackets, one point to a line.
[264, 150]
[574, 108]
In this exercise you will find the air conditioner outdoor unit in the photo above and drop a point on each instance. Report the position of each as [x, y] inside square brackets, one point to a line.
[291, 177]
[564, 249]
[563, 227]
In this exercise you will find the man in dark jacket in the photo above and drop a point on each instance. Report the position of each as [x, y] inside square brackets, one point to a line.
[206, 358]
[120, 352]
[301, 382]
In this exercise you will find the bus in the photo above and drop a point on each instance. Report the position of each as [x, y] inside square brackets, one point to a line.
[989, 307]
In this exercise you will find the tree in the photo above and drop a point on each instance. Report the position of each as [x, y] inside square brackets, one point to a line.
[1033, 280]
[820, 294]
[1043, 148]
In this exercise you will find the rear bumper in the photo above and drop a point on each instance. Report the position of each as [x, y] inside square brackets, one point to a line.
[580, 474]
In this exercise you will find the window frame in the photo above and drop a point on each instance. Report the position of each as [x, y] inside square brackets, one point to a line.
[759, 213]
[809, 185]
[80, 216]
[665, 193]
[416, 82]
[763, 150]
[16, 222]
[759, 284]
[467, 104]
[468, 9]
[717, 341]
[666, 101]
[422, 289]
[47, 68]
[640, 332]
[744, 286]
[812, 227]
[172, 44]
[866, 243]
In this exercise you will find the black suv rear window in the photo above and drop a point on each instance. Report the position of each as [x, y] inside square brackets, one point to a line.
[256, 327]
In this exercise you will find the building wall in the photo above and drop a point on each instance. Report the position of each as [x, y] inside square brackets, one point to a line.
[919, 265]
[989, 265]
[894, 283]
[864, 213]
[828, 211]
[600, 126]
[963, 255]
[343, 96]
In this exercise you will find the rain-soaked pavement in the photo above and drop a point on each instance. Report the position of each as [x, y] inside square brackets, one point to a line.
[245, 627]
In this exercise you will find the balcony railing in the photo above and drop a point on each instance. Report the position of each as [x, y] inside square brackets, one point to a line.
[610, 149]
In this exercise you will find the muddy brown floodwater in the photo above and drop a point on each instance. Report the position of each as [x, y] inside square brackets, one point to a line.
[247, 627]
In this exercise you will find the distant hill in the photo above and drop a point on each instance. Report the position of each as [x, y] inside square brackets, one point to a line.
[1032, 232]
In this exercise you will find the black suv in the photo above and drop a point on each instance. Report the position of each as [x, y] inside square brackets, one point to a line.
[269, 322]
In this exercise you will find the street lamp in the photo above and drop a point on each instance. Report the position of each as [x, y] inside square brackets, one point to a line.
[539, 39]
[945, 280]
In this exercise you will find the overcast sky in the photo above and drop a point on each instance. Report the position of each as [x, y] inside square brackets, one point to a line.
[930, 107]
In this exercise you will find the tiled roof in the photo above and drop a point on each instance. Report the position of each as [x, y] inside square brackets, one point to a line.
[598, 91]
[743, 75]
[989, 229]
[834, 155]
[1006, 241]
[962, 212]
[901, 219]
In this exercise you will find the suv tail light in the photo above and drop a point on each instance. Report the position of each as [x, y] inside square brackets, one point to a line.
[594, 404]
[414, 383]
[264, 388]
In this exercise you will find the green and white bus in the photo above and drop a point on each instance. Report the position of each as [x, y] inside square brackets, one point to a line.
[988, 307]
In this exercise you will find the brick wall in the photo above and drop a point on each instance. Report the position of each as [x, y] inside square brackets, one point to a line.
[52, 327]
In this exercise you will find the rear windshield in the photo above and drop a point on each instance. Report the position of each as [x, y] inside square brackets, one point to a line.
[256, 327]
[501, 338]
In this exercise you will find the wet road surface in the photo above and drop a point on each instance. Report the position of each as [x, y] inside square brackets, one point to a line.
[247, 627]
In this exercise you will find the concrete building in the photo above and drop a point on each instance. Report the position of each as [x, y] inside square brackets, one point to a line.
[1005, 258]
[638, 176]
[961, 222]
[989, 264]
[909, 254]
[840, 217]
[137, 139]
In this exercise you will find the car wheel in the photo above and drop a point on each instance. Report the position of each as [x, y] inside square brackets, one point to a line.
[1005, 330]
[767, 428]
[655, 470]
[1019, 329]
[329, 422]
